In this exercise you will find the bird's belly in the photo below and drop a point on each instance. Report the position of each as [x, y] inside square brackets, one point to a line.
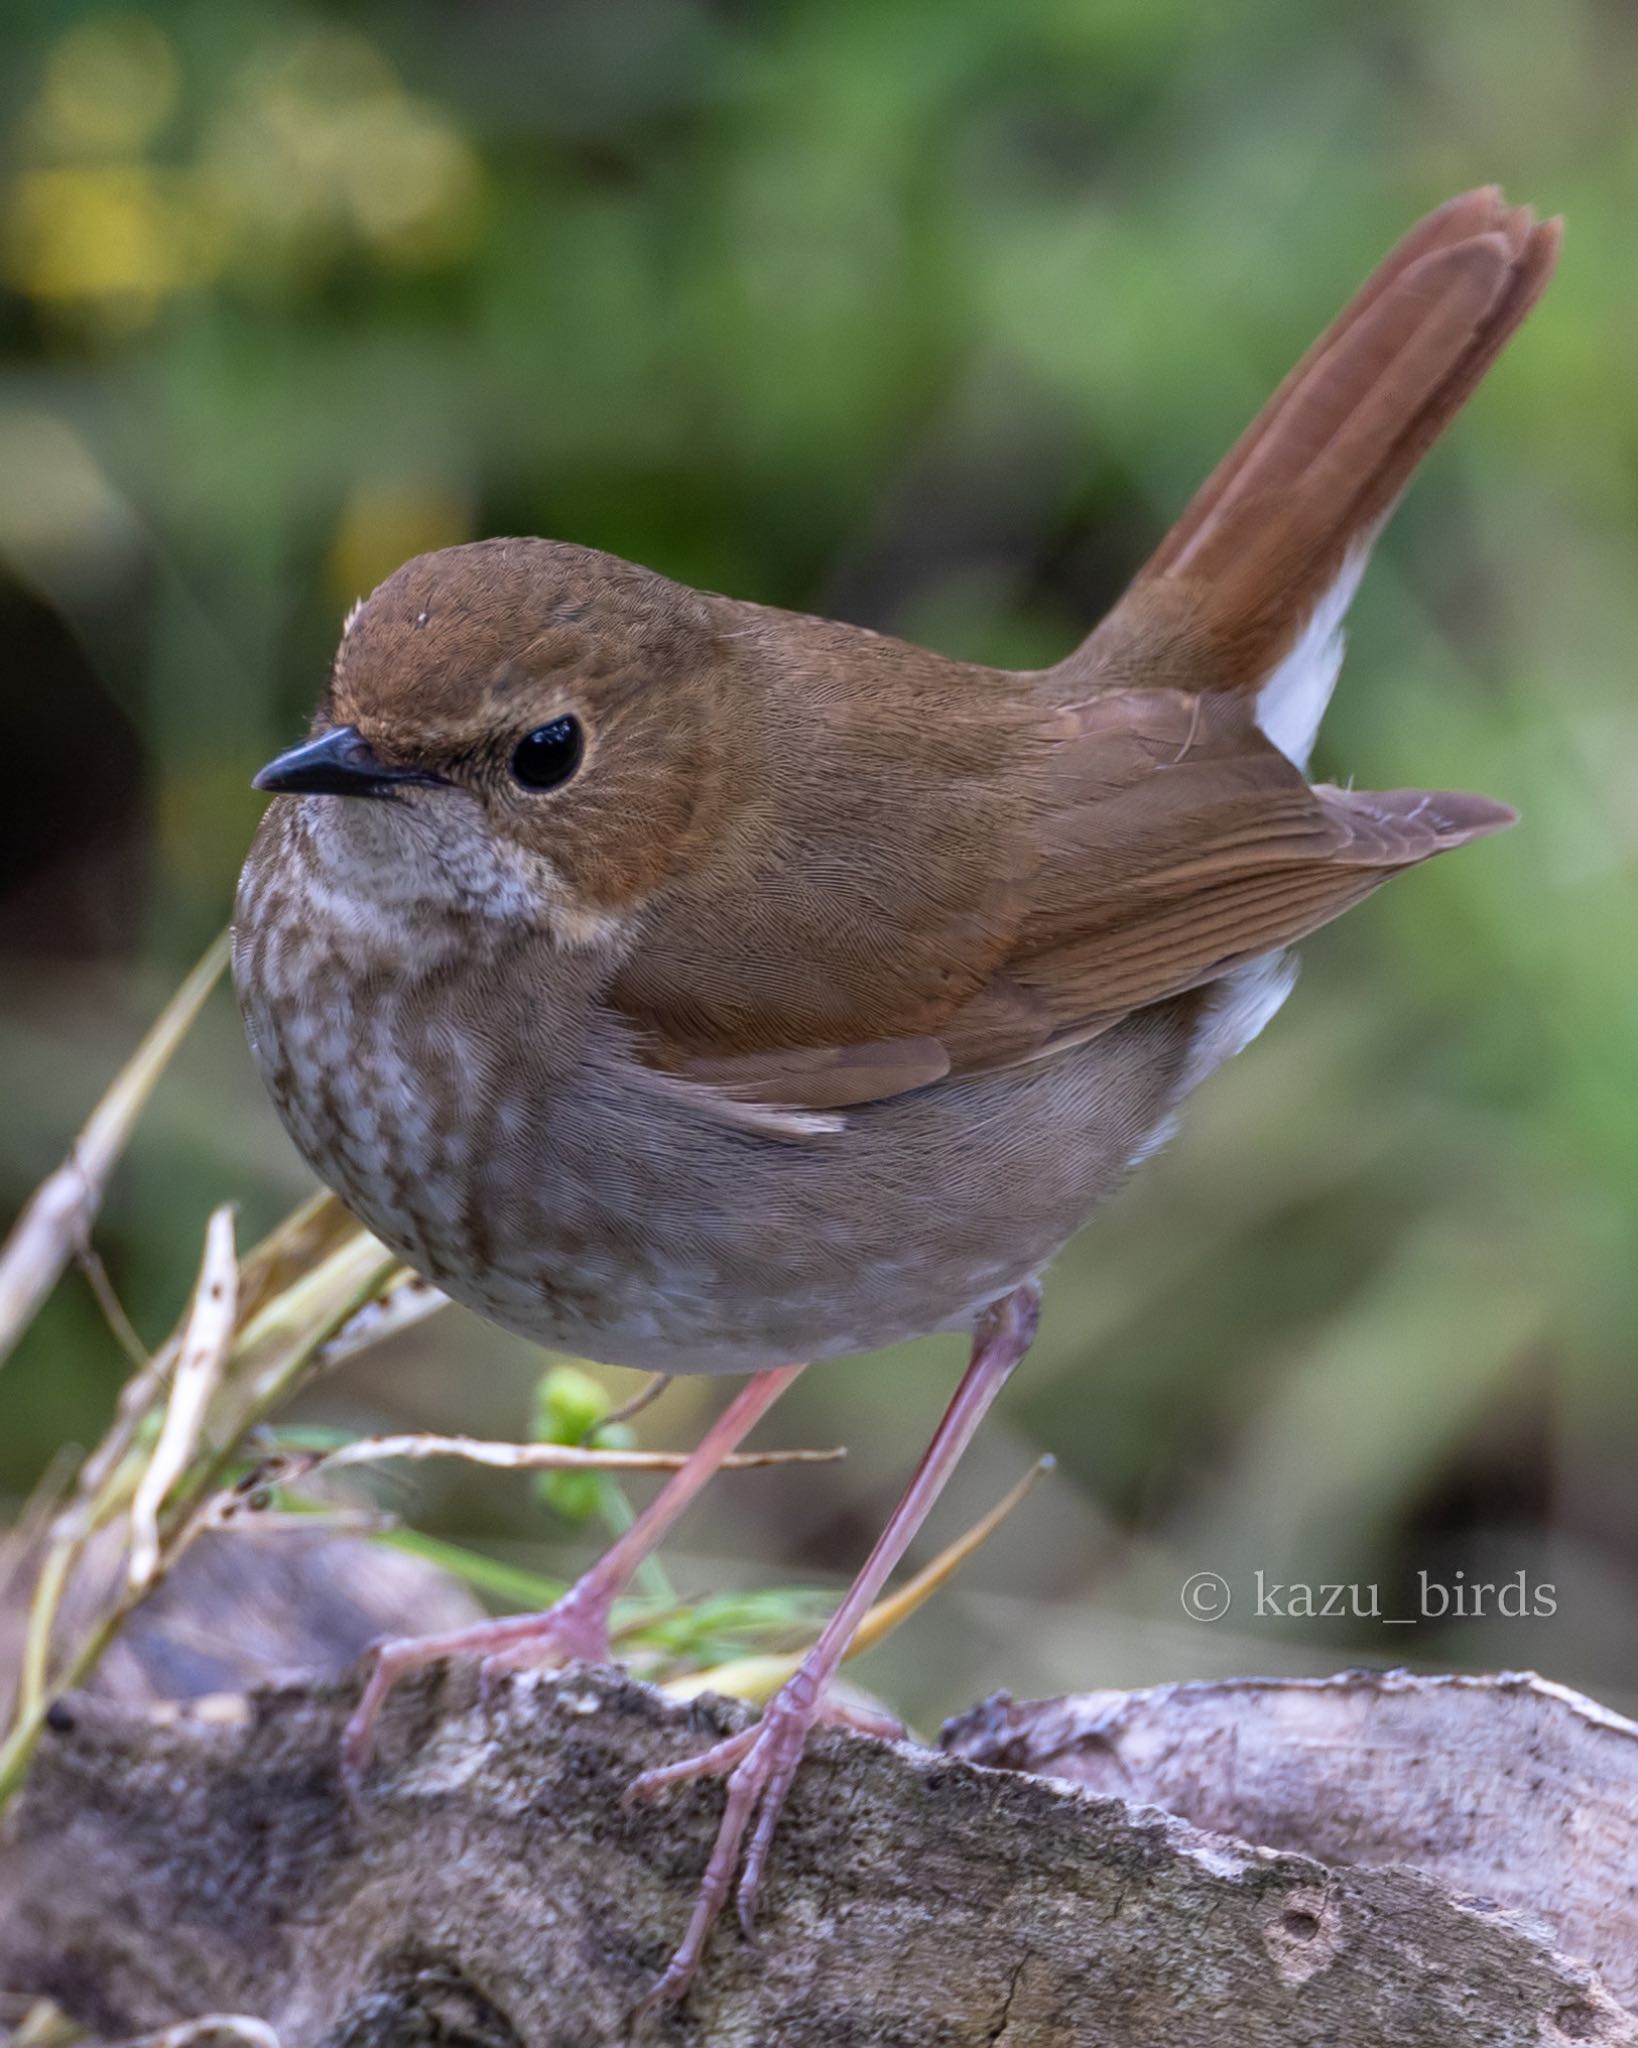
[598, 1220]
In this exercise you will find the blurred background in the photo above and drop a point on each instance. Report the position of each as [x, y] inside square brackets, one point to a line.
[929, 317]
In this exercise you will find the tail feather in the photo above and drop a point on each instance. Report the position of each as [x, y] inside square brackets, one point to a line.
[1469, 214]
[1247, 591]
[1396, 828]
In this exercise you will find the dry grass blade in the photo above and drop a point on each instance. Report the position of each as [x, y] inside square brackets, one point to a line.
[203, 1353]
[318, 1289]
[406, 1301]
[291, 1250]
[57, 1219]
[40, 2024]
[215, 2030]
[898, 1607]
[19, 1543]
[758, 1678]
[327, 1275]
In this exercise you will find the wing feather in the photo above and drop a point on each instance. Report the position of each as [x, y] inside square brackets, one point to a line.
[1019, 861]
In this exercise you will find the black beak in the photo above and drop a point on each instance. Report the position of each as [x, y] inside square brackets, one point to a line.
[338, 763]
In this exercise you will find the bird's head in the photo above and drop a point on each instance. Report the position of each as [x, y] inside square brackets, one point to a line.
[522, 726]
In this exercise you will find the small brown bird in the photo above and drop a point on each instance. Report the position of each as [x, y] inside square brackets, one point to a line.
[696, 986]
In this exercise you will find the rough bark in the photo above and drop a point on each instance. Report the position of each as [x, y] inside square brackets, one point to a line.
[494, 1891]
[1509, 1787]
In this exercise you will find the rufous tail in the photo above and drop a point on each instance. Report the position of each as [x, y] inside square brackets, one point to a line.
[1278, 533]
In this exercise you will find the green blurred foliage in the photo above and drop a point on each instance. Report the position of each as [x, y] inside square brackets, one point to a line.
[570, 1407]
[929, 316]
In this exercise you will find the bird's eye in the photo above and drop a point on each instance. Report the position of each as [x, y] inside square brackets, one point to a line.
[548, 756]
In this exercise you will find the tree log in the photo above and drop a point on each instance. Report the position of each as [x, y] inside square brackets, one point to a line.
[494, 1893]
[1509, 1786]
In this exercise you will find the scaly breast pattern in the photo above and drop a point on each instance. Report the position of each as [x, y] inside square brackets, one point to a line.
[579, 1206]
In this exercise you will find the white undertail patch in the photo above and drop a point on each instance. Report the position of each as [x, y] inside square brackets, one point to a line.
[1238, 1008]
[1292, 702]
[1241, 1004]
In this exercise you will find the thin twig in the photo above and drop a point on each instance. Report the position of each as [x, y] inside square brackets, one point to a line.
[89, 1261]
[285, 1468]
[644, 1397]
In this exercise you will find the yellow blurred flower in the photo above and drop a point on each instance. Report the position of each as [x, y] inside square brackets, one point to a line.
[118, 238]
[315, 151]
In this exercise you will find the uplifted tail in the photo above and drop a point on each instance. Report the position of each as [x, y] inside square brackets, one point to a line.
[1248, 590]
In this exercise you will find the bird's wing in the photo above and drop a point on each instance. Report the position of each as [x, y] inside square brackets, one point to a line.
[1184, 844]
[1149, 826]
[1172, 841]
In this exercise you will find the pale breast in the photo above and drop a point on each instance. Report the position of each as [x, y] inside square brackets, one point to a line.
[523, 1160]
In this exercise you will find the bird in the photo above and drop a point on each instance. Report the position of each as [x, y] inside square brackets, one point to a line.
[693, 985]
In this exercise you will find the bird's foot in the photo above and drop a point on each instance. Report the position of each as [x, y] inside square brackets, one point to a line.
[578, 1626]
[576, 1629]
[760, 1764]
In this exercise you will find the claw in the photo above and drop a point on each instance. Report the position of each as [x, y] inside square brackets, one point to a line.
[710, 1763]
[562, 1633]
[358, 1737]
[490, 1670]
[760, 1764]
[769, 1807]
[352, 1784]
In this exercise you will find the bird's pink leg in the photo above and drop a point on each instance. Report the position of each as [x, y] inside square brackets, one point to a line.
[761, 1762]
[578, 1626]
